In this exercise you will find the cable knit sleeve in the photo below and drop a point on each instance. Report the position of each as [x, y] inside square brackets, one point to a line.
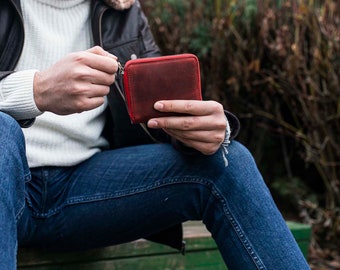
[16, 95]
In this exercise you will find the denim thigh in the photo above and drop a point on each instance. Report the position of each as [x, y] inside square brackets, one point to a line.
[116, 196]
[125, 194]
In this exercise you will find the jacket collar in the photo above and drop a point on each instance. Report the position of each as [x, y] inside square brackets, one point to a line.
[17, 5]
[97, 10]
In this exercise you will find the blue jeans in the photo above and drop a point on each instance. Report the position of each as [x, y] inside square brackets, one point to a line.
[125, 194]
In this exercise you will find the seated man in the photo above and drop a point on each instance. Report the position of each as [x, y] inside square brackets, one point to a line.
[77, 174]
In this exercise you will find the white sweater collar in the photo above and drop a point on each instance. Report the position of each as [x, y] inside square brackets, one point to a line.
[116, 4]
[62, 3]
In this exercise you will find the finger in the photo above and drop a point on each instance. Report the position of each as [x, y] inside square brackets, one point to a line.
[96, 102]
[98, 91]
[90, 75]
[100, 62]
[103, 63]
[199, 136]
[179, 123]
[99, 77]
[206, 148]
[100, 51]
[185, 123]
[86, 90]
[193, 107]
[88, 104]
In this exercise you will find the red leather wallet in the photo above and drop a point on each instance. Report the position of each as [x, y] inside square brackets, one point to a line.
[147, 80]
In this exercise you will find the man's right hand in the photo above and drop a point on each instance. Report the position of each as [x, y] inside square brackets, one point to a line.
[76, 83]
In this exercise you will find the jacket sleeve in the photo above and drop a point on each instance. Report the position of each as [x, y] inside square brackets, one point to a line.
[151, 48]
[12, 36]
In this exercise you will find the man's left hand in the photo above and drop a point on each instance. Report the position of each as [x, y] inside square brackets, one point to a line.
[202, 127]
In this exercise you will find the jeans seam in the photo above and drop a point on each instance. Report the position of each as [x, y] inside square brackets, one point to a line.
[239, 232]
[20, 212]
[27, 178]
[108, 196]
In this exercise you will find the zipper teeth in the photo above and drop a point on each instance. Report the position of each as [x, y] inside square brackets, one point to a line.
[120, 91]
[121, 71]
[100, 30]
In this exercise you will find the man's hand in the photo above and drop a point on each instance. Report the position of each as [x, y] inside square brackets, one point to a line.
[203, 128]
[76, 83]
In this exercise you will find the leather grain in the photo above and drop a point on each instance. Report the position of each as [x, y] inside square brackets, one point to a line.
[147, 80]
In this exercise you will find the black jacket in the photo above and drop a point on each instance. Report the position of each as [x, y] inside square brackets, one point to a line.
[122, 33]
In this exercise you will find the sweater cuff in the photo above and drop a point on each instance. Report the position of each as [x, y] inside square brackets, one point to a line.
[16, 95]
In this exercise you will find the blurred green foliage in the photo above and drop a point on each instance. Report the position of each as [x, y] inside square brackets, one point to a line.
[276, 64]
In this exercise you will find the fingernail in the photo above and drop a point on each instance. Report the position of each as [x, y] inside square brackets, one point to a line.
[159, 106]
[152, 124]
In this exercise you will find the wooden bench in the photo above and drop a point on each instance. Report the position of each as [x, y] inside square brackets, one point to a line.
[201, 253]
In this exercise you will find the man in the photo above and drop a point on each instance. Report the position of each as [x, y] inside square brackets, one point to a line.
[90, 178]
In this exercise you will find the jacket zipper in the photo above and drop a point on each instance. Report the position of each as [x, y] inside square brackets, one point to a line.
[121, 72]
[22, 25]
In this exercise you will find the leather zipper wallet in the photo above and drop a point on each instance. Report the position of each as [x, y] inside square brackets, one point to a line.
[147, 80]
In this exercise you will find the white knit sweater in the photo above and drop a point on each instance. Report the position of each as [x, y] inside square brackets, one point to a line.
[53, 28]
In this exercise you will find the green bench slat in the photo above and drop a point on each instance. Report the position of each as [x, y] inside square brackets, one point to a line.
[201, 254]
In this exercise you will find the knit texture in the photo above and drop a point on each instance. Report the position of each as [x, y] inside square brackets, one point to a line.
[53, 28]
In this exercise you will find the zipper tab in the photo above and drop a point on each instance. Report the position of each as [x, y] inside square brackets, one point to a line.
[120, 68]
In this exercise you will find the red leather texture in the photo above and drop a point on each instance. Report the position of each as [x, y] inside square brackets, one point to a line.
[147, 80]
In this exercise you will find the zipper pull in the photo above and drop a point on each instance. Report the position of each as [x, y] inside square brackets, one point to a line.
[120, 69]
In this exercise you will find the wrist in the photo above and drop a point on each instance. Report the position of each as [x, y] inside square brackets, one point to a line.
[37, 91]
